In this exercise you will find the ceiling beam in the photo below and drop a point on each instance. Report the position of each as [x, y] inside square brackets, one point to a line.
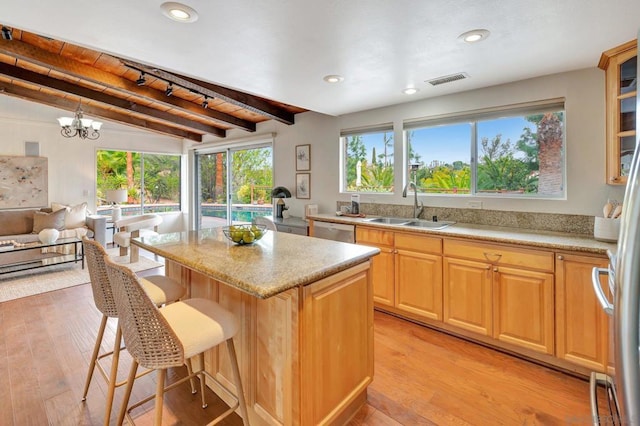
[240, 99]
[66, 87]
[71, 105]
[33, 54]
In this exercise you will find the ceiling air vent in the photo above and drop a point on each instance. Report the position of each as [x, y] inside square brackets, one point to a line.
[448, 79]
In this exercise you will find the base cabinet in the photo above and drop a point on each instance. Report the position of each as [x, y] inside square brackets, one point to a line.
[581, 324]
[407, 274]
[501, 292]
[507, 295]
[467, 295]
[305, 355]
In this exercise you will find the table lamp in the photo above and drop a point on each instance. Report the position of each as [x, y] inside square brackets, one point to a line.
[115, 196]
[280, 192]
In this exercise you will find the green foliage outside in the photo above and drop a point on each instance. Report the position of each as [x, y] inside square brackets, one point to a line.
[502, 166]
[161, 176]
[376, 172]
[250, 168]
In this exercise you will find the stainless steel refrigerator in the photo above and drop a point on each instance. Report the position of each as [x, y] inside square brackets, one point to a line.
[624, 284]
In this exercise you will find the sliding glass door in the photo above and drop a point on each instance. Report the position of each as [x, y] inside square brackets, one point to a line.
[234, 185]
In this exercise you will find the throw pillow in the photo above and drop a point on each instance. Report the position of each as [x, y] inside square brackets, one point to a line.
[75, 216]
[53, 220]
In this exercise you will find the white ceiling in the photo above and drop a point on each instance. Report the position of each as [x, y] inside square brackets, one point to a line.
[281, 49]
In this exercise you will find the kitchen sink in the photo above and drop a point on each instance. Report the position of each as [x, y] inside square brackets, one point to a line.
[389, 220]
[429, 224]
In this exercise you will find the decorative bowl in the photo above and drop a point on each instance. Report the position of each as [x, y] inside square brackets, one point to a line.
[244, 234]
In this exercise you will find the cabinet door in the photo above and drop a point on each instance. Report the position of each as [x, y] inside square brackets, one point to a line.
[620, 65]
[523, 308]
[419, 283]
[581, 324]
[382, 269]
[467, 295]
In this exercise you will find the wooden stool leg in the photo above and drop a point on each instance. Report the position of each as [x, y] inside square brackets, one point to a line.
[124, 251]
[134, 254]
[127, 391]
[94, 356]
[162, 374]
[192, 380]
[238, 382]
[113, 376]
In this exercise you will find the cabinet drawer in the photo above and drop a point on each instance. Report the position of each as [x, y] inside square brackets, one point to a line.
[500, 255]
[419, 243]
[374, 236]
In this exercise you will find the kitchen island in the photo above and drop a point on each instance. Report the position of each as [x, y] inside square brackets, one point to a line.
[305, 305]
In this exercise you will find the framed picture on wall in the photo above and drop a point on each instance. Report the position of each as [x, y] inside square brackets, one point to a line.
[303, 157]
[303, 185]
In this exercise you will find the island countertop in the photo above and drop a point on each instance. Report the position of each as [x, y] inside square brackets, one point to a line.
[276, 263]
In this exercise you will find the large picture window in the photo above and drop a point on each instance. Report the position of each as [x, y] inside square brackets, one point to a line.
[152, 181]
[368, 160]
[517, 152]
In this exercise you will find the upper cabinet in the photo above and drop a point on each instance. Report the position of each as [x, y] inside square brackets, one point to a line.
[621, 68]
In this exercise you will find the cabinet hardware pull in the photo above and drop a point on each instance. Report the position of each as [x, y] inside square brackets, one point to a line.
[561, 257]
[495, 269]
[496, 256]
[488, 267]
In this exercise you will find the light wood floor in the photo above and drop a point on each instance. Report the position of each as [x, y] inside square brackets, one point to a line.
[422, 377]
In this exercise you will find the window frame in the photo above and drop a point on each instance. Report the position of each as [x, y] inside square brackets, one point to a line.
[360, 131]
[100, 208]
[473, 118]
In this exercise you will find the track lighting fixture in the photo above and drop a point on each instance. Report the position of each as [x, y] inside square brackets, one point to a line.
[7, 33]
[169, 90]
[205, 103]
[141, 81]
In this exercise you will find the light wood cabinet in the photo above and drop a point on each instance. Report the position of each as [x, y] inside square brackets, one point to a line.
[620, 66]
[418, 280]
[581, 324]
[467, 295]
[503, 292]
[305, 355]
[382, 267]
[407, 274]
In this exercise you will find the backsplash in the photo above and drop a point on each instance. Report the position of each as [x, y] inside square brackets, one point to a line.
[574, 224]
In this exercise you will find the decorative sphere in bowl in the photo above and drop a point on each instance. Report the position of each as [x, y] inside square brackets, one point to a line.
[244, 234]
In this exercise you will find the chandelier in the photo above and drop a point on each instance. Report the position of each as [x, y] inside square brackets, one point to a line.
[84, 128]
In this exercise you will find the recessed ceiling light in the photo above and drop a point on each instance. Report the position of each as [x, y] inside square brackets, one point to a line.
[179, 12]
[410, 91]
[333, 78]
[474, 36]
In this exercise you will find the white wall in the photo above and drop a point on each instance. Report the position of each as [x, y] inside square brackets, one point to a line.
[583, 91]
[72, 162]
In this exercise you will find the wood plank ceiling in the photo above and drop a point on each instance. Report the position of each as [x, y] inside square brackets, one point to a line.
[63, 75]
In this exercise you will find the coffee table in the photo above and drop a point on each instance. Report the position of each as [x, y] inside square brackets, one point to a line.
[23, 261]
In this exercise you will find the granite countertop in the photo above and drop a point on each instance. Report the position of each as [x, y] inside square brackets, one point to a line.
[277, 263]
[498, 234]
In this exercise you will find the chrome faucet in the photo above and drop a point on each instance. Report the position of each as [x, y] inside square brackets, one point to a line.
[416, 210]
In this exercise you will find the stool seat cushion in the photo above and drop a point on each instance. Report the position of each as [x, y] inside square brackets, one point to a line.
[199, 324]
[123, 238]
[162, 289]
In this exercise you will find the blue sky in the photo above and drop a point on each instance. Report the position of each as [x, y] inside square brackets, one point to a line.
[452, 142]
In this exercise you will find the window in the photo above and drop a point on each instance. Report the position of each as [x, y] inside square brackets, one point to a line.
[234, 184]
[368, 160]
[517, 152]
[152, 181]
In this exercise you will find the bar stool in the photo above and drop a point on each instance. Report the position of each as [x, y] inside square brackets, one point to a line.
[167, 337]
[160, 289]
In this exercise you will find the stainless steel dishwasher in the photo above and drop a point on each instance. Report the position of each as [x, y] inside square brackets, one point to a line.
[334, 231]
